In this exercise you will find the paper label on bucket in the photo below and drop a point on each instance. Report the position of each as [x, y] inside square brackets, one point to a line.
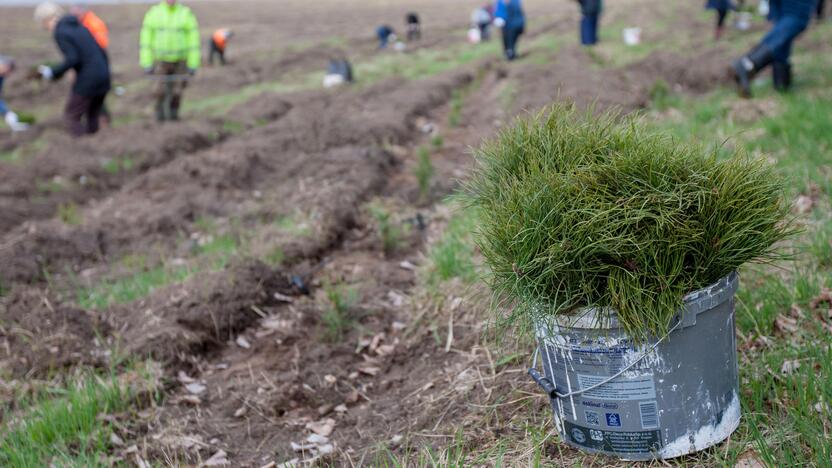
[639, 388]
[620, 442]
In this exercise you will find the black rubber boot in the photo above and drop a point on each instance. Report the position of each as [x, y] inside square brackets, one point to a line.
[782, 74]
[747, 66]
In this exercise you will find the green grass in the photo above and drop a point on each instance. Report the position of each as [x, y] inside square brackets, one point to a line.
[118, 164]
[336, 316]
[63, 426]
[213, 255]
[390, 233]
[70, 214]
[453, 255]
[424, 172]
[437, 141]
[455, 113]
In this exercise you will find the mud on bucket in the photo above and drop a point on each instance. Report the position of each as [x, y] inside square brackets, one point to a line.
[675, 395]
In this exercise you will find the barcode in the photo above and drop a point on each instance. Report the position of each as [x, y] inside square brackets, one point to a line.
[649, 415]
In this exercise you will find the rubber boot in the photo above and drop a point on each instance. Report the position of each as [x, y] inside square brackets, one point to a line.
[747, 66]
[782, 74]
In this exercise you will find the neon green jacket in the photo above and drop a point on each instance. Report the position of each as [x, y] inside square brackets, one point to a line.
[169, 34]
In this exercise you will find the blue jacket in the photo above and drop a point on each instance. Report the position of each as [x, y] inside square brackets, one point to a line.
[720, 5]
[84, 55]
[511, 13]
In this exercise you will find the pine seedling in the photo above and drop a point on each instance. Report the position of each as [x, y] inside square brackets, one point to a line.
[585, 210]
[388, 232]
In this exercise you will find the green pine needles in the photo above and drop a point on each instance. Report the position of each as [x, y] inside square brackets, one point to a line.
[596, 211]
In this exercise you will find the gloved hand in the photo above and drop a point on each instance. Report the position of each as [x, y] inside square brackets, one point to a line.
[46, 72]
[499, 22]
[13, 122]
[192, 71]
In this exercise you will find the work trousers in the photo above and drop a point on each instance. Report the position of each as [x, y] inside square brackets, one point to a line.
[790, 17]
[78, 108]
[589, 29]
[510, 37]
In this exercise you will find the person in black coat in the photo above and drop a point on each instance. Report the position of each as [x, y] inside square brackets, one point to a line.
[82, 54]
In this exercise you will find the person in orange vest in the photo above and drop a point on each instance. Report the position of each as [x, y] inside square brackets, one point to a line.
[101, 34]
[217, 44]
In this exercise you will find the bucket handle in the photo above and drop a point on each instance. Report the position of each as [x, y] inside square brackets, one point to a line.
[551, 389]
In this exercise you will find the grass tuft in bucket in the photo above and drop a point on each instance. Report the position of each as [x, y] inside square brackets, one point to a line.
[595, 211]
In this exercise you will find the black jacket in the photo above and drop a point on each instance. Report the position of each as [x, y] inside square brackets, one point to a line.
[84, 55]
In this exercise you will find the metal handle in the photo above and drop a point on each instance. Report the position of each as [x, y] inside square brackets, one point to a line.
[550, 387]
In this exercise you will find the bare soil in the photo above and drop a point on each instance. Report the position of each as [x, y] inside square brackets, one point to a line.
[248, 331]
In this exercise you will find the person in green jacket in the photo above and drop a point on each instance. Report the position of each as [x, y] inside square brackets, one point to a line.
[169, 53]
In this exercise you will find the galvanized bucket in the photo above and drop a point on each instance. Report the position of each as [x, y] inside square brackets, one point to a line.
[673, 396]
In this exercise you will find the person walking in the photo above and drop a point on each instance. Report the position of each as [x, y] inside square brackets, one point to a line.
[721, 7]
[509, 16]
[590, 12]
[83, 55]
[169, 53]
[11, 118]
[790, 18]
[217, 45]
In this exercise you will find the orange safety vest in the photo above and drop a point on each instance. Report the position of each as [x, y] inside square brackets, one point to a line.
[220, 38]
[97, 28]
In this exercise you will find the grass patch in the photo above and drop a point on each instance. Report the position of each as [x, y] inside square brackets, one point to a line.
[455, 113]
[453, 255]
[390, 233]
[337, 315]
[118, 165]
[437, 141]
[70, 214]
[63, 427]
[424, 173]
[212, 255]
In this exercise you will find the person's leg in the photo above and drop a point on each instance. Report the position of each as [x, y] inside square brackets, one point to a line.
[76, 107]
[94, 113]
[212, 49]
[161, 90]
[513, 35]
[178, 88]
[721, 13]
[222, 57]
[775, 47]
[593, 20]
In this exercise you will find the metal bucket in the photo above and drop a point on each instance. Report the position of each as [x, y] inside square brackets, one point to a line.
[673, 396]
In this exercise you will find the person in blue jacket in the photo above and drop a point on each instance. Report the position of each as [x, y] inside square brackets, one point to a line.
[790, 17]
[590, 12]
[721, 7]
[508, 15]
[385, 35]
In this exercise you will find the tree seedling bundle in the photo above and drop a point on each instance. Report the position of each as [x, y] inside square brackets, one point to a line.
[596, 211]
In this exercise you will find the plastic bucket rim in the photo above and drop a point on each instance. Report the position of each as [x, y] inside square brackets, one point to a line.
[695, 302]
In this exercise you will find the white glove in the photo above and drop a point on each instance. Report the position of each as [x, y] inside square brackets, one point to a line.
[46, 72]
[499, 22]
[14, 123]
